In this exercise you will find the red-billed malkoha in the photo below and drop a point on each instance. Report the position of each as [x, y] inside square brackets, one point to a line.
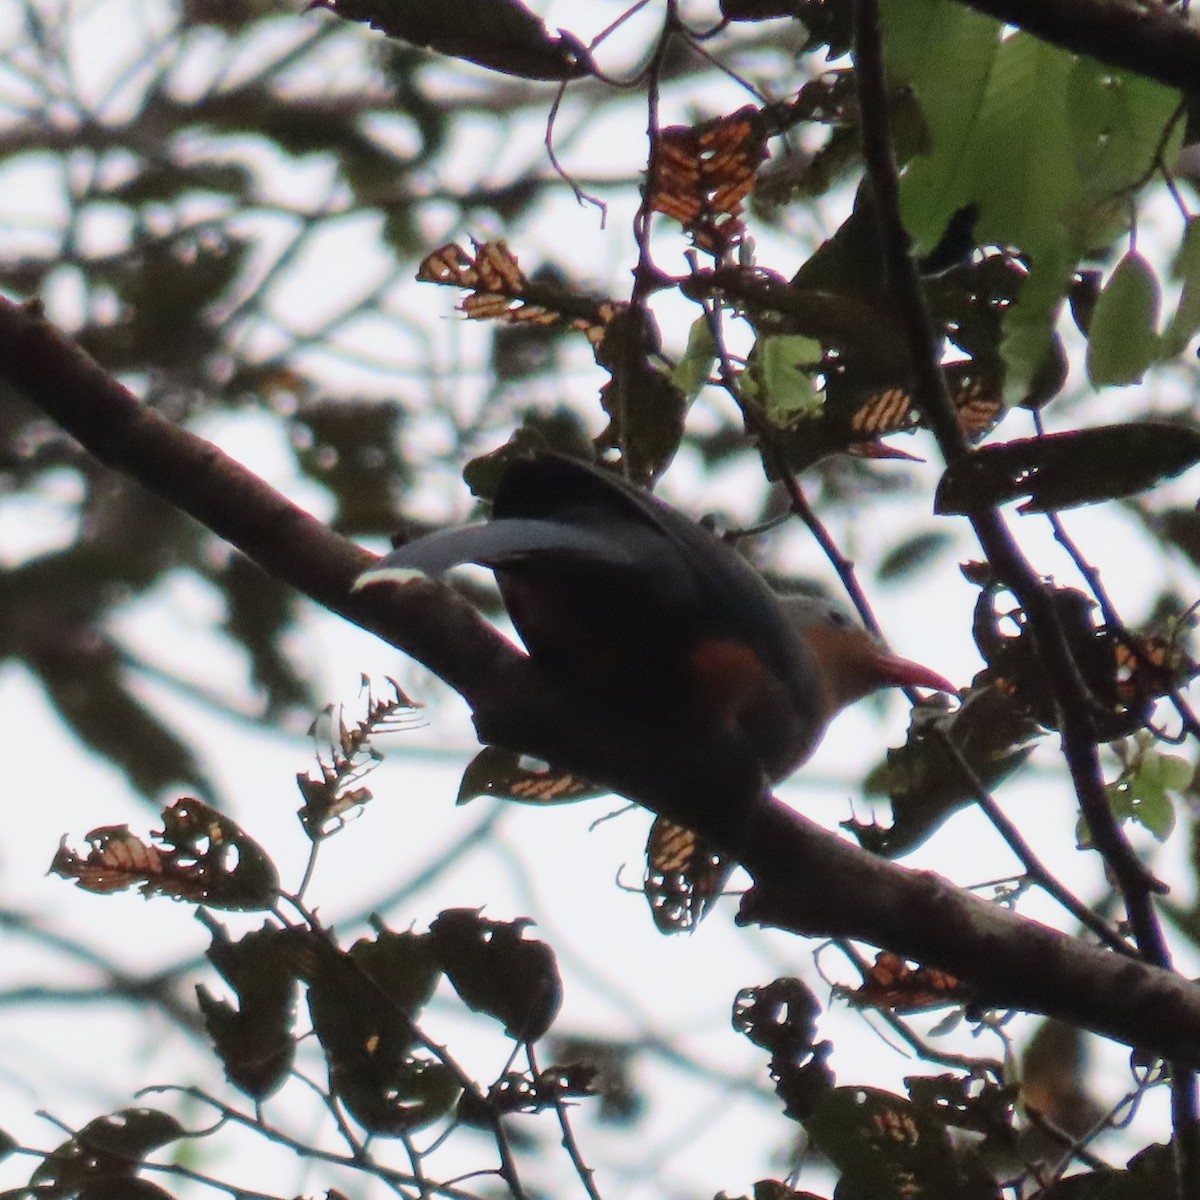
[615, 593]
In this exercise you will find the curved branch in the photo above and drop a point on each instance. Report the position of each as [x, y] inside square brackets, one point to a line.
[808, 879]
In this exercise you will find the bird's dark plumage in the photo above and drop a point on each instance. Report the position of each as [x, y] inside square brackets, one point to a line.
[615, 592]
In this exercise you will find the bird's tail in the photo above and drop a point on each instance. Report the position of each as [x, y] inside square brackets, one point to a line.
[496, 544]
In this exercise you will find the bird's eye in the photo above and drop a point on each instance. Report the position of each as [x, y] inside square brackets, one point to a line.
[839, 618]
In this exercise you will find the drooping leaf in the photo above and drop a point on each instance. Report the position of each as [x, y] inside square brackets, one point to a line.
[107, 1151]
[924, 783]
[254, 1040]
[367, 1037]
[1185, 322]
[403, 965]
[1062, 470]
[1123, 340]
[1042, 145]
[496, 970]
[500, 34]
[646, 409]
[692, 371]
[946, 53]
[495, 771]
[684, 876]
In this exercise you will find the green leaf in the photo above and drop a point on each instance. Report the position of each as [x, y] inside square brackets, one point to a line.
[781, 365]
[693, 369]
[1116, 121]
[1029, 324]
[1123, 336]
[1185, 322]
[945, 53]
[1148, 790]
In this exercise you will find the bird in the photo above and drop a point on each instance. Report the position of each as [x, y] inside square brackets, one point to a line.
[623, 598]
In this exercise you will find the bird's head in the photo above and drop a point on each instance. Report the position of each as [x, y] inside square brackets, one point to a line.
[851, 662]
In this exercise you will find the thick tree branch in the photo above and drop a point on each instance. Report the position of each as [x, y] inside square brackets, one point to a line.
[199, 479]
[1155, 41]
[809, 880]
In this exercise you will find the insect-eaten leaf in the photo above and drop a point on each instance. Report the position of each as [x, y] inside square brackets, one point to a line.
[885, 1146]
[1125, 673]
[893, 983]
[684, 875]
[203, 858]
[700, 174]
[780, 1017]
[495, 970]
[526, 1092]
[507, 775]
[1064, 470]
[925, 784]
[104, 1156]
[254, 1040]
[345, 754]
[500, 34]
[782, 369]
[367, 1033]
